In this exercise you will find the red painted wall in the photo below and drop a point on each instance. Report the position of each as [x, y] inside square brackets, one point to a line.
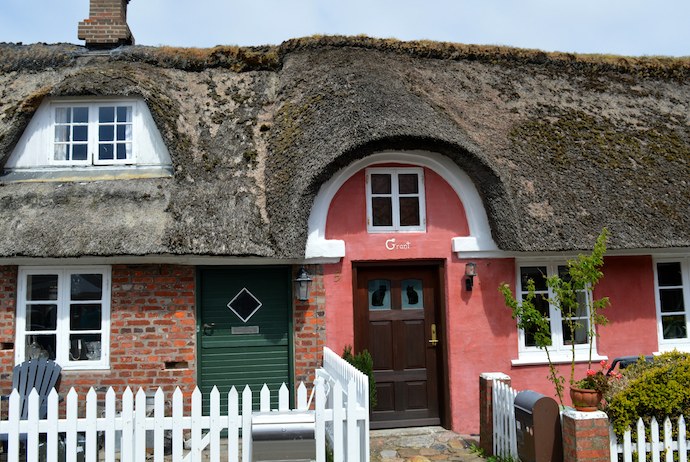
[481, 335]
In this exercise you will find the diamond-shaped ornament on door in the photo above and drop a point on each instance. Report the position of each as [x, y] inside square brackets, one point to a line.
[244, 305]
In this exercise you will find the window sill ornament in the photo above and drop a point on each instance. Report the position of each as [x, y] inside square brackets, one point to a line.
[302, 283]
[470, 273]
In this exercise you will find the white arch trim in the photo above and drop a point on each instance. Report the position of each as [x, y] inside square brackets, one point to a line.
[321, 249]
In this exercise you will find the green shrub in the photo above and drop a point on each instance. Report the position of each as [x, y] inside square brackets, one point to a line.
[365, 364]
[658, 389]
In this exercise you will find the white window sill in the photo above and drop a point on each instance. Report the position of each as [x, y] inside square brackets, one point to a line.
[665, 348]
[539, 357]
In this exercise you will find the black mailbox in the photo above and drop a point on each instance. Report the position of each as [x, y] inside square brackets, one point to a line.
[538, 428]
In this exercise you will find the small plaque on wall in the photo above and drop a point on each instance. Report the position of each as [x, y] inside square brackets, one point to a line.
[243, 330]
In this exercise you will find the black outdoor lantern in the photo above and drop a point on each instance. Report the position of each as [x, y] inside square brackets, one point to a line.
[470, 273]
[302, 283]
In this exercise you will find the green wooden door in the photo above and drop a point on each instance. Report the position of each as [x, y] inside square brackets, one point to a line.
[244, 325]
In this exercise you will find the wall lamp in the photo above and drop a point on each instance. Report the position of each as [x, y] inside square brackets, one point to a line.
[302, 283]
[470, 273]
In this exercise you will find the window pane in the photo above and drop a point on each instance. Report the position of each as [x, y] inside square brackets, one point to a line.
[80, 133]
[80, 115]
[536, 273]
[105, 152]
[379, 294]
[669, 274]
[124, 113]
[41, 317]
[62, 115]
[41, 287]
[122, 132]
[60, 152]
[84, 347]
[61, 133]
[671, 300]
[85, 317]
[674, 326]
[541, 303]
[409, 211]
[122, 151]
[106, 114]
[39, 346]
[408, 183]
[382, 211]
[563, 273]
[86, 286]
[412, 294]
[79, 152]
[580, 333]
[380, 183]
[106, 133]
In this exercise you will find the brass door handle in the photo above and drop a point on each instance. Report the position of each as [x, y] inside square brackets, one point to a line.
[434, 340]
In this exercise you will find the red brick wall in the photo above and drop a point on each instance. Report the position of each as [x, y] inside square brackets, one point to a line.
[310, 328]
[8, 300]
[152, 330]
[585, 437]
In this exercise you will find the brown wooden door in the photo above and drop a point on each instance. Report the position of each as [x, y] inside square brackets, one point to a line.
[396, 309]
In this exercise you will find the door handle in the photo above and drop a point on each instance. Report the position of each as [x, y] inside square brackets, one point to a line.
[208, 328]
[434, 340]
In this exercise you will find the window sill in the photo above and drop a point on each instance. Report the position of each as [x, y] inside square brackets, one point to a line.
[91, 173]
[665, 348]
[539, 358]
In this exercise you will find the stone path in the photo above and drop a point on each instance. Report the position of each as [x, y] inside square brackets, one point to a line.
[421, 444]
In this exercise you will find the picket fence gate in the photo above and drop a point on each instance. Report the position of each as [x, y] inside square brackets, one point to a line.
[504, 434]
[119, 429]
[661, 447]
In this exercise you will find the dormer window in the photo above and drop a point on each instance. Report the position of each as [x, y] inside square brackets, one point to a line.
[82, 139]
[395, 200]
[93, 134]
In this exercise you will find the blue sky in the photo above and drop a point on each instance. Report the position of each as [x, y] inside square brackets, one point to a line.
[624, 27]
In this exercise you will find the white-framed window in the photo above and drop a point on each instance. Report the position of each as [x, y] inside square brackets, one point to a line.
[395, 200]
[561, 336]
[672, 287]
[64, 314]
[94, 133]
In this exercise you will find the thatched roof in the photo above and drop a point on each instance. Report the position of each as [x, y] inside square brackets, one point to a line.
[558, 145]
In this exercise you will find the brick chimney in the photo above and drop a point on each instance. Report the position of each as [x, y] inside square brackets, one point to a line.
[106, 26]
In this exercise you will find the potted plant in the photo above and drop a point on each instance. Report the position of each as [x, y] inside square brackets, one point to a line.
[587, 393]
[583, 273]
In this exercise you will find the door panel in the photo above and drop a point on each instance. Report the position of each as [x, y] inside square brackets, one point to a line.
[395, 308]
[248, 344]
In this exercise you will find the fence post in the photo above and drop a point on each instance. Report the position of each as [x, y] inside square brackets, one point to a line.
[486, 425]
[585, 436]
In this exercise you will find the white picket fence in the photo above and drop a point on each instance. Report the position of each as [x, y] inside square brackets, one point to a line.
[661, 447]
[119, 431]
[356, 432]
[504, 434]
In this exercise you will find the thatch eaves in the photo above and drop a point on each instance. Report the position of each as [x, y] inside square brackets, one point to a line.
[558, 145]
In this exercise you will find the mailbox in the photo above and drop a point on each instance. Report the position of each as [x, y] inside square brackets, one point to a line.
[538, 428]
[283, 436]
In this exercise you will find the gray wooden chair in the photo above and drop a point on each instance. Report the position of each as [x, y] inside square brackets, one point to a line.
[41, 374]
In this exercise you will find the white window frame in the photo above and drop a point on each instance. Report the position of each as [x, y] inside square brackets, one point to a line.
[673, 344]
[62, 332]
[559, 351]
[93, 126]
[395, 196]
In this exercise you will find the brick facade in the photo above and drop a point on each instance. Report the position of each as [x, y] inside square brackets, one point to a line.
[153, 330]
[8, 301]
[310, 328]
[106, 26]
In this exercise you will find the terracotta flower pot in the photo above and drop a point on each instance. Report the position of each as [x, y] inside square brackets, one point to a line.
[584, 399]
